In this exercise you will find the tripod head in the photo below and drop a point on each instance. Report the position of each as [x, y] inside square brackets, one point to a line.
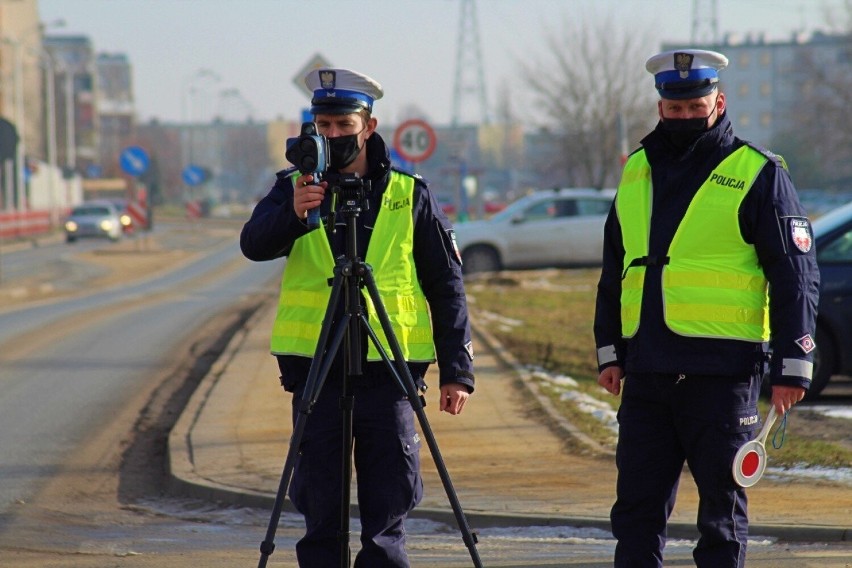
[348, 191]
[348, 197]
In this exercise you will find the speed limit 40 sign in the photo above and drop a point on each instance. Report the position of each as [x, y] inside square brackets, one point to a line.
[414, 140]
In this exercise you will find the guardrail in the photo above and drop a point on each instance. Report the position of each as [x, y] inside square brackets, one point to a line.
[15, 224]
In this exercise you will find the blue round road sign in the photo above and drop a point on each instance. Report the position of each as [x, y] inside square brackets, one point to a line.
[192, 175]
[134, 160]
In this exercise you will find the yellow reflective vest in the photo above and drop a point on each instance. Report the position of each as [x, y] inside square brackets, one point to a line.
[305, 292]
[713, 285]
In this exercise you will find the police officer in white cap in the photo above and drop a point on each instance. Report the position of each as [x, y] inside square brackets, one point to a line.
[708, 264]
[403, 234]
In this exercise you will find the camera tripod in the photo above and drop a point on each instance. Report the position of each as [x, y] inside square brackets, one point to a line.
[350, 276]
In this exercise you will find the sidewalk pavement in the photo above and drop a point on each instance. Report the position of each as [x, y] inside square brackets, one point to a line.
[511, 459]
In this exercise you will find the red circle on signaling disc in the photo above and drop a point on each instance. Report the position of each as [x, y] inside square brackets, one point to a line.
[751, 462]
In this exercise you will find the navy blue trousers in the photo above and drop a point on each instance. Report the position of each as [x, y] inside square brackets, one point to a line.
[664, 421]
[387, 468]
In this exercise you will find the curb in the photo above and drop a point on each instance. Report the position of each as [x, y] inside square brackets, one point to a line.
[184, 480]
[557, 420]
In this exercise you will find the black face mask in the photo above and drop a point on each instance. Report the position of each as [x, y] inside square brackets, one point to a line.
[343, 150]
[682, 132]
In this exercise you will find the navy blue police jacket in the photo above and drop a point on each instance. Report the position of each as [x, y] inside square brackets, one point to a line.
[766, 218]
[274, 227]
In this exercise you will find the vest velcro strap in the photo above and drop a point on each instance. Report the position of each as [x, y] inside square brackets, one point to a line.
[648, 260]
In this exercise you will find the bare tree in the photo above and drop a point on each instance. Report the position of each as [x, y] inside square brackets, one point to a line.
[838, 19]
[592, 78]
[818, 142]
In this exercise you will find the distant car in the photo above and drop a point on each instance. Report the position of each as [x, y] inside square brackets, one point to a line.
[833, 241]
[93, 219]
[548, 228]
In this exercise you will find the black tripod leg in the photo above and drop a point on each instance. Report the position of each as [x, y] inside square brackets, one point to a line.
[410, 388]
[320, 366]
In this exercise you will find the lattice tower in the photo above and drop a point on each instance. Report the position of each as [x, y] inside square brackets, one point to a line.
[705, 22]
[470, 73]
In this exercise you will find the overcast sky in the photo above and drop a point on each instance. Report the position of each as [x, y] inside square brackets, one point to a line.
[256, 47]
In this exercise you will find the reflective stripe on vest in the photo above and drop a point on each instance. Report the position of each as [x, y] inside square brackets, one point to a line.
[713, 285]
[305, 292]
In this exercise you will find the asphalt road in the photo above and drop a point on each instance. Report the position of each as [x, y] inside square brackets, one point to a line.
[66, 365]
[77, 374]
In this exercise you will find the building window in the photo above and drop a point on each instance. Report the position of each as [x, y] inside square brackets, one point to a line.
[745, 58]
[745, 121]
[765, 119]
[744, 90]
[765, 89]
[765, 59]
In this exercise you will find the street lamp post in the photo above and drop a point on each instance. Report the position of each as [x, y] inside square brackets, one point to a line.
[49, 65]
[235, 95]
[70, 134]
[187, 107]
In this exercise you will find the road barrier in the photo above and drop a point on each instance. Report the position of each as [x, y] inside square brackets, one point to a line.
[15, 224]
[193, 209]
[139, 213]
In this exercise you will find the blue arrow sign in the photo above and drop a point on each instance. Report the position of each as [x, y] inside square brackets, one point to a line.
[94, 171]
[192, 175]
[134, 160]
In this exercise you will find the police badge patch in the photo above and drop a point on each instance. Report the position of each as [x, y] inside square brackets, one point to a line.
[806, 343]
[800, 231]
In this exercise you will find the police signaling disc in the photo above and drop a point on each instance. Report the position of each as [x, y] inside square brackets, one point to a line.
[750, 461]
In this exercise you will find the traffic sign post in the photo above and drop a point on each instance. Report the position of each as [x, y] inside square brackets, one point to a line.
[193, 175]
[415, 140]
[134, 161]
[315, 62]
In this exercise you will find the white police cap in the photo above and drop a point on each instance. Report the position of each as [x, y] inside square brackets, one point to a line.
[341, 91]
[686, 73]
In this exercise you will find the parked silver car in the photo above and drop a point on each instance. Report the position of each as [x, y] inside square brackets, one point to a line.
[93, 219]
[548, 228]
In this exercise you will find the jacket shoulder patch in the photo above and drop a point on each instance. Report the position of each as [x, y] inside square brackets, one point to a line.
[777, 159]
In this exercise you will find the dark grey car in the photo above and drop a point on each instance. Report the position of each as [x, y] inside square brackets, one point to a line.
[833, 240]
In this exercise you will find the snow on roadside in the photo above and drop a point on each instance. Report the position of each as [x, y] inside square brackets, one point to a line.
[567, 388]
[832, 411]
[606, 414]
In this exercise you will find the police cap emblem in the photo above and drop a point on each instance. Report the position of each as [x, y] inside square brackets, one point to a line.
[327, 79]
[683, 63]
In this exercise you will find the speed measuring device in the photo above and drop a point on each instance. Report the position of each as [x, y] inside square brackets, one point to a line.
[415, 140]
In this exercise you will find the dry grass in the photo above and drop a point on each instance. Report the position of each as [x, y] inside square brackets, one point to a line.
[545, 319]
